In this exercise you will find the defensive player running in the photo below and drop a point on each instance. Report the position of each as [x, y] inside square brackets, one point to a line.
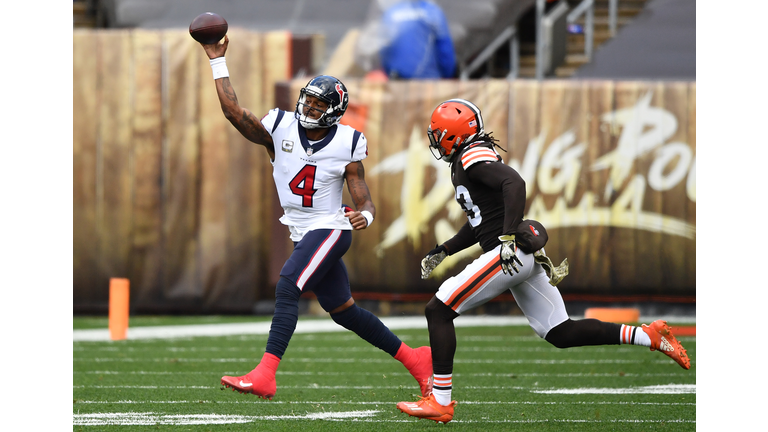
[312, 154]
[492, 194]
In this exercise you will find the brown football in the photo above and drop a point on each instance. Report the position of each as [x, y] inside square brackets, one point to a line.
[208, 28]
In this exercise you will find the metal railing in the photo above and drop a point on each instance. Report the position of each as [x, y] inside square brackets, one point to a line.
[509, 33]
[544, 46]
[586, 8]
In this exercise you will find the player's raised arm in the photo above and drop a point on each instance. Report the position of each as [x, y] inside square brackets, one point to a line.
[358, 189]
[241, 118]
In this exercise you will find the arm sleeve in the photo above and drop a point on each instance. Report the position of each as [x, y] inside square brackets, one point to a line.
[462, 240]
[501, 177]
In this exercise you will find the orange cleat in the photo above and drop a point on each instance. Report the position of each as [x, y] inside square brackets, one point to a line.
[428, 408]
[423, 369]
[663, 340]
[254, 382]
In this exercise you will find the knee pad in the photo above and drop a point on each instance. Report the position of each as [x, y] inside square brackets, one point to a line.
[287, 290]
[347, 317]
[368, 327]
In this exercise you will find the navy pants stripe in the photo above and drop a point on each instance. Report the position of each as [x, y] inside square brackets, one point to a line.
[316, 265]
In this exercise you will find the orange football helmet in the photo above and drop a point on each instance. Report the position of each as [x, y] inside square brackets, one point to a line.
[453, 123]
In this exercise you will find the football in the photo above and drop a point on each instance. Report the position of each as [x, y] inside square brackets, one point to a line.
[208, 28]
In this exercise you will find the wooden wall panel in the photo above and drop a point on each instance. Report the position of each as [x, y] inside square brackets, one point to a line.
[169, 194]
[146, 258]
[623, 187]
[592, 263]
[114, 215]
[690, 184]
[649, 243]
[181, 170]
[559, 167]
[367, 117]
[674, 249]
[86, 97]
[249, 182]
[215, 193]
[276, 54]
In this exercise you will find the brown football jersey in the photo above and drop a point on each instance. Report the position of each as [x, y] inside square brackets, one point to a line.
[491, 193]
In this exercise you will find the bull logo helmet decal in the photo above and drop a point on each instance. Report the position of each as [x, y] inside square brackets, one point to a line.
[341, 92]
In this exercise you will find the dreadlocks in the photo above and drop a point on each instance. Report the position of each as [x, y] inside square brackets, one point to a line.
[489, 138]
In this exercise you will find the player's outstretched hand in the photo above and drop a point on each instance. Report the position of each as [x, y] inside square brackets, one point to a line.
[432, 260]
[216, 50]
[509, 259]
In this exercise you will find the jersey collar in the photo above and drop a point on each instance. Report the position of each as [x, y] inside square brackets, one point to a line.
[318, 145]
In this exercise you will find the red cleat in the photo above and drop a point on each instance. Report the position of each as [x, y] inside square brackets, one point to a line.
[428, 408]
[663, 340]
[422, 371]
[254, 382]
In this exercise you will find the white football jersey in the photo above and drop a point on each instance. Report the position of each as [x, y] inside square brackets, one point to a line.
[310, 177]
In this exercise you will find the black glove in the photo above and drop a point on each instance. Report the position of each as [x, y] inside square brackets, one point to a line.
[433, 258]
[507, 254]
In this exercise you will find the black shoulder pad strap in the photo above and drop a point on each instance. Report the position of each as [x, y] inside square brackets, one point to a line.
[280, 114]
[355, 138]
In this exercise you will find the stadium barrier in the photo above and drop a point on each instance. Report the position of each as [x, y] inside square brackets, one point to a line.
[168, 195]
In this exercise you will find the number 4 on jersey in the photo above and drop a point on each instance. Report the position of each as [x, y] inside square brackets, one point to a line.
[302, 184]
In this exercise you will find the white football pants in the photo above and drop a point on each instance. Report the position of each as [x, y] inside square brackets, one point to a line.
[483, 280]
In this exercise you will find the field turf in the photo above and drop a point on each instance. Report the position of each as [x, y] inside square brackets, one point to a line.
[505, 378]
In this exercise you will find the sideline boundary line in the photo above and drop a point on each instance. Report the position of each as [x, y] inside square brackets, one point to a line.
[312, 325]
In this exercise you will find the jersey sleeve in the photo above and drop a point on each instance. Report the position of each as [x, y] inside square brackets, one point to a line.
[359, 147]
[272, 119]
[477, 155]
[462, 240]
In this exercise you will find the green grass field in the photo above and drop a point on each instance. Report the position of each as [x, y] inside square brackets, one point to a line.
[505, 378]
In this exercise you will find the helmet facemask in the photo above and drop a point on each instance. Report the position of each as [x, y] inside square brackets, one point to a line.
[454, 122]
[439, 151]
[329, 90]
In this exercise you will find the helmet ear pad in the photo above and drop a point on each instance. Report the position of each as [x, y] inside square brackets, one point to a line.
[453, 123]
[331, 91]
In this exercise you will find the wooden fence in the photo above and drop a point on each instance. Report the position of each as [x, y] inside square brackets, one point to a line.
[169, 195]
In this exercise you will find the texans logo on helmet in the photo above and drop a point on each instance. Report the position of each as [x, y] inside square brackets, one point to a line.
[340, 91]
[534, 230]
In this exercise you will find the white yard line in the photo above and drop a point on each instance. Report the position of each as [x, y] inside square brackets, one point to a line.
[132, 419]
[254, 401]
[306, 326]
[657, 389]
[151, 419]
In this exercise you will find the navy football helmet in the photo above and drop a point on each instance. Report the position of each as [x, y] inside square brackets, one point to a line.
[331, 91]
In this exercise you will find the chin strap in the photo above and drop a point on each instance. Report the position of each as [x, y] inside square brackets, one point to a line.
[555, 274]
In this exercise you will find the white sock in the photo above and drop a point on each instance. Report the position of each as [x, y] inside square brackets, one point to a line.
[441, 388]
[634, 335]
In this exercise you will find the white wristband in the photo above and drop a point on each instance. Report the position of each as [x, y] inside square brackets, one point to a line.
[368, 216]
[219, 67]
